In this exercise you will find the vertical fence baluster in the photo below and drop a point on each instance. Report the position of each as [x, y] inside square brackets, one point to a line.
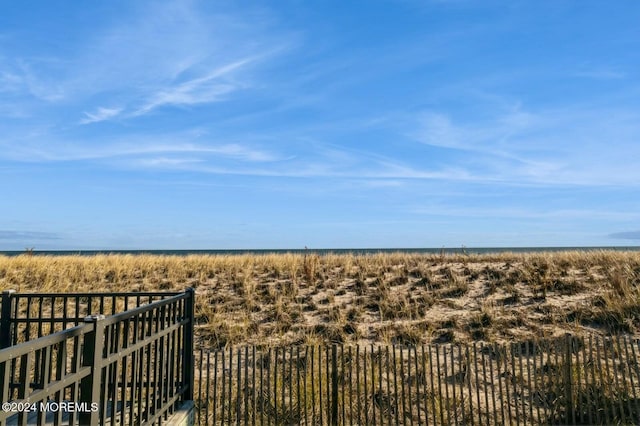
[514, 383]
[261, 397]
[338, 384]
[491, 383]
[148, 378]
[623, 388]
[61, 368]
[554, 380]
[135, 387]
[26, 361]
[447, 401]
[223, 398]
[327, 383]
[388, 375]
[113, 371]
[380, 395]
[373, 385]
[577, 391]
[396, 397]
[520, 382]
[468, 375]
[609, 381]
[358, 385]
[477, 387]
[246, 385]
[254, 385]
[238, 386]
[419, 398]
[545, 387]
[291, 411]
[124, 376]
[568, 380]
[602, 385]
[441, 403]
[275, 386]
[453, 384]
[403, 383]
[409, 382]
[619, 381]
[286, 380]
[636, 414]
[432, 386]
[500, 356]
[313, 386]
[528, 348]
[157, 361]
[350, 354]
[342, 382]
[606, 342]
[334, 384]
[586, 397]
[304, 380]
[424, 385]
[417, 382]
[366, 395]
[298, 399]
[52, 316]
[267, 393]
[615, 354]
[320, 390]
[200, 362]
[40, 317]
[229, 399]
[215, 388]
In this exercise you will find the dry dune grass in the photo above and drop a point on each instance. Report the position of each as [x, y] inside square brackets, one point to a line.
[384, 298]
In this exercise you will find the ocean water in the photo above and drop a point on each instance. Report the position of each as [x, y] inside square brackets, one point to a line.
[356, 251]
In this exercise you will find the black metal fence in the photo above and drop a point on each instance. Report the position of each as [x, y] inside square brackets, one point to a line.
[95, 358]
[568, 380]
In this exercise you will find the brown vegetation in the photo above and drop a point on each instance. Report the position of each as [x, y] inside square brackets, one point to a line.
[384, 298]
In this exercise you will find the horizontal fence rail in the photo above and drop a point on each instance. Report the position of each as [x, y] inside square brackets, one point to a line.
[568, 380]
[27, 316]
[131, 367]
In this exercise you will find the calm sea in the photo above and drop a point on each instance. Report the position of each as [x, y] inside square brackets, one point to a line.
[446, 250]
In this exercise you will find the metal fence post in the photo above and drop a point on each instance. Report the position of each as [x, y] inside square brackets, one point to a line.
[188, 365]
[5, 318]
[92, 357]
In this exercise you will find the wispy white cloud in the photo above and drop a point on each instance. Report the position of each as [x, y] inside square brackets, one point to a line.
[158, 54]
[205, 89]
[82, 152]
[101, 114]
[601, 74]
[571, 144]
[168, 162]
[9, 81]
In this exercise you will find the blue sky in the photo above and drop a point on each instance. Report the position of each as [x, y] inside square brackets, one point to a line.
[333, 124]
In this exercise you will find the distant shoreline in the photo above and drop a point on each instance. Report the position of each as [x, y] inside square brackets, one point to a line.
[324, 251]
